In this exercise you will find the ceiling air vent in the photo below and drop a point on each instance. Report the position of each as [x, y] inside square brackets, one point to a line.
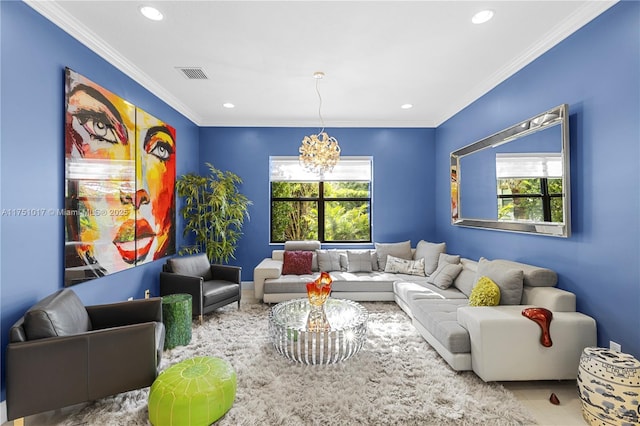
[193, 73]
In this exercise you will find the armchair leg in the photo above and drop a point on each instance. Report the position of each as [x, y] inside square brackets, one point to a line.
[238, 305]
[201, 319]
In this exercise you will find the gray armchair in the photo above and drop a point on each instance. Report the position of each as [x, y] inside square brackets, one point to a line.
[211, 286]
[62, 353]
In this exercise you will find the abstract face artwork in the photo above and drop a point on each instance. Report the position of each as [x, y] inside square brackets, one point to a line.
[120, 177]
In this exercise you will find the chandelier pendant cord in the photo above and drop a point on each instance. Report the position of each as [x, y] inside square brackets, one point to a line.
[319, 105]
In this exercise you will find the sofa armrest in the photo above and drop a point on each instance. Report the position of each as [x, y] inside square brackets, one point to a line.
[495, 357]
[125, 313]
[227, 273]
[50, 373]
[554, 299]
[268, 268]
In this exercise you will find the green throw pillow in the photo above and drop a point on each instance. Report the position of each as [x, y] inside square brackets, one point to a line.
[485, 293]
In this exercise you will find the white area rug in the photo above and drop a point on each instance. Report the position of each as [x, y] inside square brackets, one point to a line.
[396, 379]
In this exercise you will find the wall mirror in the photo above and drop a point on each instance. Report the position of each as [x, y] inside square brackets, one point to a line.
[517, 179]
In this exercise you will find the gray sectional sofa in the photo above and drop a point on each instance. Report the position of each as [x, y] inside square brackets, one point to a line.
[497, 342]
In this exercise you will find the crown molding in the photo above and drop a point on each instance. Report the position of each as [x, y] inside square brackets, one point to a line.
[583, 15]
[60, 17]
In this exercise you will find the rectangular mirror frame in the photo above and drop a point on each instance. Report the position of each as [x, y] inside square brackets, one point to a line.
[555, 116]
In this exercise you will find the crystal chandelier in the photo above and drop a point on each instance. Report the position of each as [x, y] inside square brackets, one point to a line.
[319, 153]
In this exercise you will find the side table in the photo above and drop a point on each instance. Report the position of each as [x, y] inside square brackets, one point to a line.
[609, 385]
[176, 316]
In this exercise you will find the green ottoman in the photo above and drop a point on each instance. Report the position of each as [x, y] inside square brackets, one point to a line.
[176, 316]
[196, 391]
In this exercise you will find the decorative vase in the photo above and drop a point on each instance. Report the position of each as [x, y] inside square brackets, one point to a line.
[319, 290]
[609, 385]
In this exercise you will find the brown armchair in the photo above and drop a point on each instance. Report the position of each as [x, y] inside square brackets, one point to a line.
[211, 286]
[62, 353]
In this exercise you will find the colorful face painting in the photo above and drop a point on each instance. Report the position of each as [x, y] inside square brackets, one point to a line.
[120, 176]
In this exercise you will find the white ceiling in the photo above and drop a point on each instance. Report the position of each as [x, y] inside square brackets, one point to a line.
[377, 55]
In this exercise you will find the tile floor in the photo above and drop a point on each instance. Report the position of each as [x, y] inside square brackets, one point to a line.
[533, 395]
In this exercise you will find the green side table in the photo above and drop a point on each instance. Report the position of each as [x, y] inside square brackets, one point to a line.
[176, 316]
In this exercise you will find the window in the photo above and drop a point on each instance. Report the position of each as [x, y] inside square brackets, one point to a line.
[530, 187]
[332, 208]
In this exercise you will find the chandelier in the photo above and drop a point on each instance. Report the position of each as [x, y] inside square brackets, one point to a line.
[319, 153]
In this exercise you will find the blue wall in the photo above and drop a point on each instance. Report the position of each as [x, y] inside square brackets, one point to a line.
[403, 181]
[34, 55]
[596, 71]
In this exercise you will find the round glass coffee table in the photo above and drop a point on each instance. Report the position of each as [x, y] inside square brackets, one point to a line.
[312, 335]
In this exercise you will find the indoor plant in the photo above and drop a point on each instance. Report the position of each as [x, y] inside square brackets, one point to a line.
[214, 212]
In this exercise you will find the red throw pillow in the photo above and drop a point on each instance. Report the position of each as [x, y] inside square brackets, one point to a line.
[297, 262]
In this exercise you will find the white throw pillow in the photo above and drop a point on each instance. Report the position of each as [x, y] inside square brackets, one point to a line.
[395, 265]
[401, 250]
[358, 261]
[430, 252]
[328, 260]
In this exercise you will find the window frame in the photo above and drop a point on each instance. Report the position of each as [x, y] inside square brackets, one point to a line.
[321, 200]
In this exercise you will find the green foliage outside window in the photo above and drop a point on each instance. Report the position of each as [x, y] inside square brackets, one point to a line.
[326, 211]
[533, 199]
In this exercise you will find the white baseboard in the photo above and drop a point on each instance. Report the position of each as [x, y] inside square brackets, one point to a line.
[3, 412]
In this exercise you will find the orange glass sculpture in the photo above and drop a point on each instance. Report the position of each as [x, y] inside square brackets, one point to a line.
[319, 290]
[543, 318]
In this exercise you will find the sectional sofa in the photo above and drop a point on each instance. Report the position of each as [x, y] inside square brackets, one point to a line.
[434, 288]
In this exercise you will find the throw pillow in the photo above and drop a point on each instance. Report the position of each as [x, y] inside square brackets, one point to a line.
[297, 262]
[445, 274]
[395, 265]
[485, 293]
[358, 261]
[328, 260]
[401, 250]
[510, 281]
[448, 258]
[430, 252]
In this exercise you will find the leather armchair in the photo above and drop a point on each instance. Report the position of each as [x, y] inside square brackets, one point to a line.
[211, 286]
[62, 353]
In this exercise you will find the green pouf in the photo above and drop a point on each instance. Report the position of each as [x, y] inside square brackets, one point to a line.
[176, 316]
[196, 391]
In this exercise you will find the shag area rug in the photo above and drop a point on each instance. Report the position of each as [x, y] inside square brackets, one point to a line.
[396, 379]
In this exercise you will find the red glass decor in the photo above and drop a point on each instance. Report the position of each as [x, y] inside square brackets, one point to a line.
[319, 290]
[543, 318]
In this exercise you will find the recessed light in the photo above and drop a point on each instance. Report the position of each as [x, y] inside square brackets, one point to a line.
[228, 105]
[406, 106]
[151, 13]
[482, 16]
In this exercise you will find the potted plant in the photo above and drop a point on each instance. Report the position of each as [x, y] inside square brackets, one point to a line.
[214, 212]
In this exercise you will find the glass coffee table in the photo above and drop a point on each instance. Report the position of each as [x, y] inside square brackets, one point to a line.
[312, 335]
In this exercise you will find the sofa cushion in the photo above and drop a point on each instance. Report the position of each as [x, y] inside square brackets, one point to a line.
[485, 293]
[297, 262]
[401, 250]
[440, 318]
[534, 276]
[508, 279]
[466, 279]
[445, 274]
[306, 245]
[430, 252]
[395, 265]
[358, 261]
[197, 265]
[328, 260]
[59, 314]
